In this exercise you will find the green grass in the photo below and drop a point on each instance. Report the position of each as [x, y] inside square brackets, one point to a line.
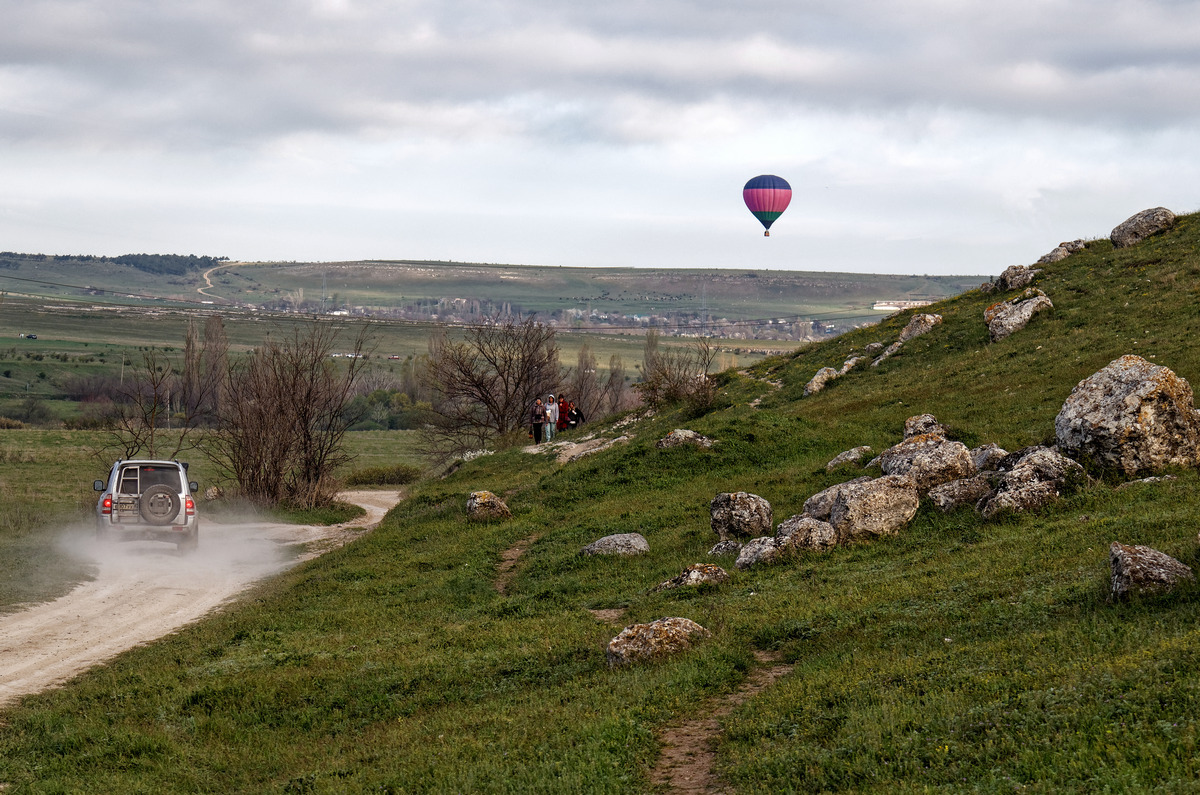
[958, 656]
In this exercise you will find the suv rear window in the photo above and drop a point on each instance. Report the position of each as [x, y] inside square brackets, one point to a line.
[135, 480]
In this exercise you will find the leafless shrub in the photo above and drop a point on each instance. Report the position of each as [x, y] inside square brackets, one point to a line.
[283, 417]
[675, 374]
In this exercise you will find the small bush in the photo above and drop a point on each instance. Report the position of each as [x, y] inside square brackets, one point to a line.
[9, 424]
[397, 475]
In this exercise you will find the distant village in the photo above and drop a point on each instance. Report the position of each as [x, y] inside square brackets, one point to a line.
[471, 311]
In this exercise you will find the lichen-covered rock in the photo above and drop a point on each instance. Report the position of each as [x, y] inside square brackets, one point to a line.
[757, 551]
[921, 424]
[696, 574]
[929, 460]
[484, 506]
[1133, 416]
[920, 324]
[213, 493]
[1036, 480]
[1138, 227]
[681, 436]
[820, 504]
[1142, 570]
[729, 547]
[877, 507]
[1008, 317]
[967, 491]
[988, 456]
[818, 381]
[872, 348]
[804, 532]
[1016, 277]
[740, 514]
[853, 456]
[618, 544]
[660, 638]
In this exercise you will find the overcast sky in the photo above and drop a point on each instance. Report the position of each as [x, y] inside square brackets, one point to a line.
[919, 137]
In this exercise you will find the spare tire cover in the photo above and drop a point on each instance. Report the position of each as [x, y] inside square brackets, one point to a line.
[159, 505]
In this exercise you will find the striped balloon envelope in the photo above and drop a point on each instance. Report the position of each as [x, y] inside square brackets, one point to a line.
[767, 196]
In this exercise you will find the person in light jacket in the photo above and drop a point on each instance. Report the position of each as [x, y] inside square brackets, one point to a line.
[551, 417]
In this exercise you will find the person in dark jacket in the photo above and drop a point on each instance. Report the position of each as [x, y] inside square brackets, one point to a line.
[537, 418]
[574, 417]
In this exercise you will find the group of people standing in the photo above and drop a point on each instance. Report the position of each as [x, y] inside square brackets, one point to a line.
[556, 414]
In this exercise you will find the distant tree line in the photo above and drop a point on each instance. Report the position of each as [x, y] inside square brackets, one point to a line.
[158, 264]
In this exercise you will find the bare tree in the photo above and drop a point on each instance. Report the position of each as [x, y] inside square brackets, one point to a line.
[485, 385]
[583, 385]
[283, 417]
[144, 421]
[616, 393]
[674, 374]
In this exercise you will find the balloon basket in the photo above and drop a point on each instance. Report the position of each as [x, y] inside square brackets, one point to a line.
[767, 233]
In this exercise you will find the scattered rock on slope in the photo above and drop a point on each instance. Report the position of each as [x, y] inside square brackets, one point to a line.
[928, 460]
[740, 514]
[1008, 317]
[877, 507]
[618, 544]
[696, 574]
[1133, 416]
[1138, 569]
[1141, 226]
[681, 436]
[659, 638]
[1037, 479]
[485, 506]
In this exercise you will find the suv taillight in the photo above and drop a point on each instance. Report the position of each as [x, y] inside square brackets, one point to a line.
[106, 506]
[190, 506]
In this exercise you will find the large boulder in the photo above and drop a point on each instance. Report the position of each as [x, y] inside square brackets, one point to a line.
[740, 514]
[660, 638]
[920, 324]
[1016, 277]
[696, 574]
[623, 544]
[987, 457]
[820, 504]
[804, 532]
[1036, 480]
[484, 506]
[1133, 416]
[928, 459]
[852, 457]
[1007, 317]
[757, 551]
[922, 423]
[966, 491]
[1141, 226]
[877, 507]
[1142, 570]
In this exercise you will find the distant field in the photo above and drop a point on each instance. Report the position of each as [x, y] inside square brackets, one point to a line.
[75, 340]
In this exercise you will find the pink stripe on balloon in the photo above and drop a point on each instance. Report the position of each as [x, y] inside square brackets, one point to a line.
[771, 200]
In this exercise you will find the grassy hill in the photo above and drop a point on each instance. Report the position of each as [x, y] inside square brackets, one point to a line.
[958, 656]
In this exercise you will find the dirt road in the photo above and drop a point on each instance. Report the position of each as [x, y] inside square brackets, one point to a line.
[145, 590]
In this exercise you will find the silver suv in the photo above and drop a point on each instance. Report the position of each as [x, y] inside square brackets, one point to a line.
[148, 499]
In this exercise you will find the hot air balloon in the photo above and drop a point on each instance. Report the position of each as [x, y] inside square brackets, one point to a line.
[767, 196]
